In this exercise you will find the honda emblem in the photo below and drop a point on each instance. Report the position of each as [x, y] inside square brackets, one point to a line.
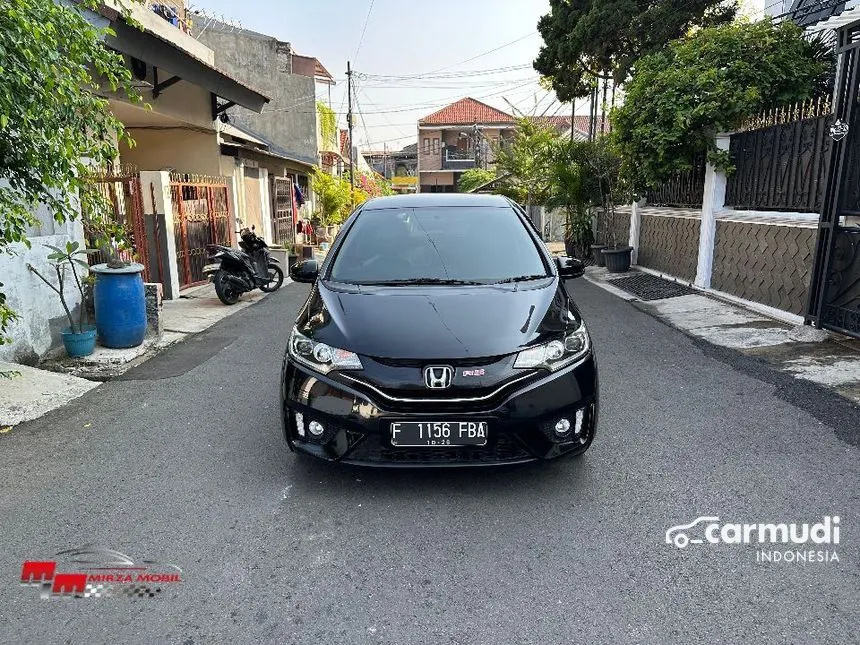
[438, 377]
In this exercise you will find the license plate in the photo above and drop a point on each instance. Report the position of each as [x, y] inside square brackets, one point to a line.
[211, 268]
[438, 433]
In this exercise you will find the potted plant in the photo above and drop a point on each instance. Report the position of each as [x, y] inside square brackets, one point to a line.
[605, 163]
[79, 338]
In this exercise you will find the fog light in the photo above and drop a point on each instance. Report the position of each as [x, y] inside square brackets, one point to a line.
[580, 415]
[300, 424]
[316, 428]
[562, 427]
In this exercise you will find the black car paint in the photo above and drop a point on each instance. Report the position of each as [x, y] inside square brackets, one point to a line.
[398, 330]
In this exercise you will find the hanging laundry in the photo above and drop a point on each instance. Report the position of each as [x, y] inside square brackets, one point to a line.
[300, 199]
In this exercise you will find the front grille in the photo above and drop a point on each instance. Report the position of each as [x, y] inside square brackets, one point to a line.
[500, 450]
[421, 363]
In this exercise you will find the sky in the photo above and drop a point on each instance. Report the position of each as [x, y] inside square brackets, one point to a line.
[447, 49]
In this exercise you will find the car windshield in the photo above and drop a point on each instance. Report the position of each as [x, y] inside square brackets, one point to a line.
[453, 245]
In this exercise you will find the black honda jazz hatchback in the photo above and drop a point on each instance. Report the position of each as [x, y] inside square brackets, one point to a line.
[439, 332]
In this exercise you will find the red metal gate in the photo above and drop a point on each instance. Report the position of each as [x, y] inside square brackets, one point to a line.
[282, 222]
[201, 216]
[121, 191]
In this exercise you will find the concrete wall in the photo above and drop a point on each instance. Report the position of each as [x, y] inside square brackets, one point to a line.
[41, 315]
[431, 158]
[765, 263]
[290, 119]
[669, 244]
[181, 149]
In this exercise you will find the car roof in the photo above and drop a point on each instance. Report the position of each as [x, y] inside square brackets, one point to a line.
[429, 200]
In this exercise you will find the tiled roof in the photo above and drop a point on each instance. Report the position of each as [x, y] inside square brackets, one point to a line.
[582, 121]
[466, 111]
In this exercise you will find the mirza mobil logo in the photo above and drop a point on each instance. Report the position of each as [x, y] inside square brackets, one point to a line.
[95, 572]
[776, 542]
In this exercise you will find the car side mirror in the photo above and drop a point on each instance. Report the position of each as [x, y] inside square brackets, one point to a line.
[306, 271]
[569, 267]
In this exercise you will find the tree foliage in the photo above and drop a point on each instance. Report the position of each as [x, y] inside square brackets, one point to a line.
[523, 166]
[328, 126]
[706, 83]
[54, 125]
[474, 178]
[334, 197]
[586, 38]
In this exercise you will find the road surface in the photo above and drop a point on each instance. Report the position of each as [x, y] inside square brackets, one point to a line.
[183, 462]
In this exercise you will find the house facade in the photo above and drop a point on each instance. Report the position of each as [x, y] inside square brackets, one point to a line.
[169, 190]
[458, 137]
[290, 121]
[400, 167]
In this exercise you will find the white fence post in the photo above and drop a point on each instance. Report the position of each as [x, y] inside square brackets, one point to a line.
[713, 201]
[635, 227]
[162, 208]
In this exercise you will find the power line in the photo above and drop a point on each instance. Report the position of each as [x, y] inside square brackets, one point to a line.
[459, 74]
[363, 30]
[481, 55]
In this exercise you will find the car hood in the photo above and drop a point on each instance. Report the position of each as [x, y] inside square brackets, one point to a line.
[435, 322]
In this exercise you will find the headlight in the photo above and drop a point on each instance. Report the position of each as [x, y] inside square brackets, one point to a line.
[556, 353]
[319, 356]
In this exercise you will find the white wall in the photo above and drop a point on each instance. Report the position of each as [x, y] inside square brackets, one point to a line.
[41, 314]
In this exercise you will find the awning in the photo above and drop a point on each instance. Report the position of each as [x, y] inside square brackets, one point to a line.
[164, 55]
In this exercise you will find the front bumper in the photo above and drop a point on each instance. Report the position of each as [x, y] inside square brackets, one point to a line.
[520, 422]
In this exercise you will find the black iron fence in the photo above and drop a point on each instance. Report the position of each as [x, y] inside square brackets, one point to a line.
[685, 190]
[782, 167]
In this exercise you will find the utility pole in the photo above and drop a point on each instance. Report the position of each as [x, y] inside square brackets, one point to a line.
[572, 118]
[349, 125]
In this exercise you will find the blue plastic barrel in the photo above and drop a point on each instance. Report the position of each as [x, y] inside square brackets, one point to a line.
[120, 305]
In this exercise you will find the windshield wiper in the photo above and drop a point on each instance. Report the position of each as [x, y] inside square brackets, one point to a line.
[523, 278]
[419, 281]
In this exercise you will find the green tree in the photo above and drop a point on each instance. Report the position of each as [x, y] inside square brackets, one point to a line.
[524, 166]
[334, 197]
[55, 125]
[587, 38]
[474, 178]
[706, 83]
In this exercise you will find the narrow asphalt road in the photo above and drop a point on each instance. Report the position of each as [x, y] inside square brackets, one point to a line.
[183, 462]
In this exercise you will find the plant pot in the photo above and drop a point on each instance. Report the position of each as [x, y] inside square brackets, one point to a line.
[569, 247]
[617, 260]
[597, 255]
[82, 344]
[292, 259]
[120, 305]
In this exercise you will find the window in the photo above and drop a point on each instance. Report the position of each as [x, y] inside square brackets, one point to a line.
[426, 145]
[437, 243]
[436, 145]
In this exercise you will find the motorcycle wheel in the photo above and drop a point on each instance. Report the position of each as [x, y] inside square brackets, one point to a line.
[276, 279]
[225, 291]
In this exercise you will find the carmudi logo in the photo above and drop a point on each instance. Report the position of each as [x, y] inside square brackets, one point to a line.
[804, 542]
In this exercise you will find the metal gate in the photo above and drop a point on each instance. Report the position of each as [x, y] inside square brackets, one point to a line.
[121, 190]
[834, 291]
[282, 222]
[201, 216]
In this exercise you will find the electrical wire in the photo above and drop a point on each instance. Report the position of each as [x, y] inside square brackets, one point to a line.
[363, 30]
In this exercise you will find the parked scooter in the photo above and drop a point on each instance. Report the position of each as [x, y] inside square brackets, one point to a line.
[236, 271]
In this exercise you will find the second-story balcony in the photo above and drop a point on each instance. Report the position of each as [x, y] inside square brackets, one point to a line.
[453, 159]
